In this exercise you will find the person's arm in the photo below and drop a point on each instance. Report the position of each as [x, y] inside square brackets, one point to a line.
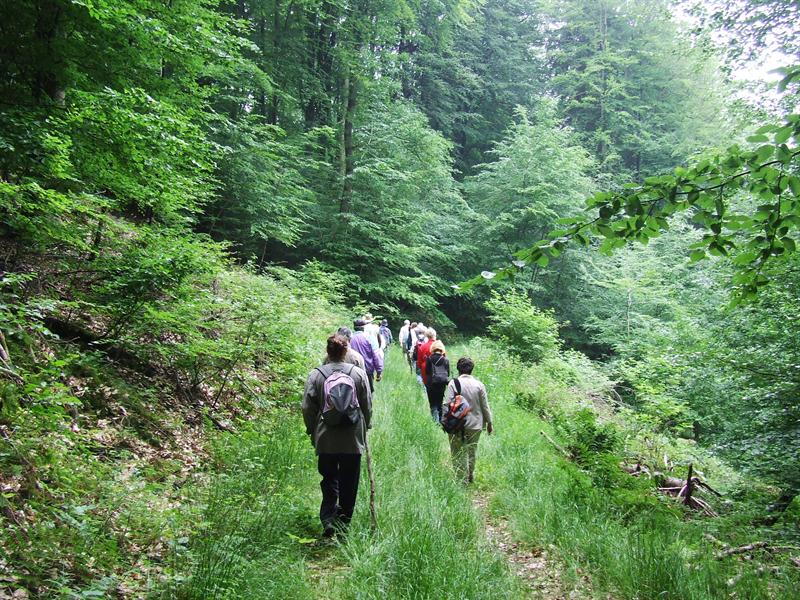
[378, 362]
[487, 412]
[364, 398]
[310, 405]
[447, 366]
[450, 393]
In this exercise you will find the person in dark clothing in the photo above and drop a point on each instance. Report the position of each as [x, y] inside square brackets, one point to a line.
[386, 332]
[437, 369]
[338, 447]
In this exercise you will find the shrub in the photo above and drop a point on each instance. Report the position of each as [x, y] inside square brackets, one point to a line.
[524, 329]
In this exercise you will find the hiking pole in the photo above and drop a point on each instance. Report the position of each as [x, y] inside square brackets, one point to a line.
[373, 517]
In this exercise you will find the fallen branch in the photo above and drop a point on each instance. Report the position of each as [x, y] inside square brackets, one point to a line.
[557, 446]
[741, 549]
[688, 487]
[707, 487]
[635, 470]
[15, 377]
[4, 354]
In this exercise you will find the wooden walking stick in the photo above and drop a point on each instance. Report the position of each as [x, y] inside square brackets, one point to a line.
[373, 517]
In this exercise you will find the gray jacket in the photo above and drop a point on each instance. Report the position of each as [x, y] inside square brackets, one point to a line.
[336, 440]
[474, 392]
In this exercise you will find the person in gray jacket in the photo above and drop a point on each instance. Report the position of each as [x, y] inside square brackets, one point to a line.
[464, 444]
[338, 447]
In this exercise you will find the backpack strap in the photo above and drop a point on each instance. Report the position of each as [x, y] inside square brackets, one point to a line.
[325, 370]
[457, 385]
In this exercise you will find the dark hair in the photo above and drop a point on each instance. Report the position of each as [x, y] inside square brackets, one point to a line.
[344, 331]
[359, 324]
[465, 366]
[413, 325]
[337, 347]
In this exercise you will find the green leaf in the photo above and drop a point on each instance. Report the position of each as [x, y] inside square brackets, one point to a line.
[697, 255]
[783, 134]
[794, 185]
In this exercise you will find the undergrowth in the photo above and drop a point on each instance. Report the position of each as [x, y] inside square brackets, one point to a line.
[111, 410]
[633, 542]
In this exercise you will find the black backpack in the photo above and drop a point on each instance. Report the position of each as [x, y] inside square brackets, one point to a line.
[439, 371]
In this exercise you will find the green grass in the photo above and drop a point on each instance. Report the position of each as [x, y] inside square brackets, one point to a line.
[262, 513]
[251, 541]
[633, 544]
[430, 542]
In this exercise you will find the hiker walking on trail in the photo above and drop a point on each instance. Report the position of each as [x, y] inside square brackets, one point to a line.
[402, 336]
[351, 357]
[464, 439]
[337, 410]
[437, 367]
[423, 352]
[373, 361]
[419, 340]
[386, 333]
[408, 344]
[372, 330]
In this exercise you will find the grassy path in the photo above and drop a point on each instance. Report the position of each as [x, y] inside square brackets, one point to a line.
[431, 541]
[259, 537]
[532, 526]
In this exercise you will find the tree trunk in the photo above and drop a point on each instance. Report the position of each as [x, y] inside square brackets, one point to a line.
[262, 42]
[346, 154]
[272, 114]
[46, 80]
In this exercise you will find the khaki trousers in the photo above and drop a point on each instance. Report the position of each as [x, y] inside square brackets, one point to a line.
[463, 451]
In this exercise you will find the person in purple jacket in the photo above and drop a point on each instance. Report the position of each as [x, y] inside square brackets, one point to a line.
[372, 359]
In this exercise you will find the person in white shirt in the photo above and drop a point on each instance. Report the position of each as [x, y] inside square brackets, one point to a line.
[403, 335]
[464, 444]
[372, 330]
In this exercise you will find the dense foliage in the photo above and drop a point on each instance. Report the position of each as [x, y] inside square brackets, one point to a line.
[192, 191]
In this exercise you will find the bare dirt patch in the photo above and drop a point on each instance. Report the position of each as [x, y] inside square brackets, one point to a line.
[536, 567]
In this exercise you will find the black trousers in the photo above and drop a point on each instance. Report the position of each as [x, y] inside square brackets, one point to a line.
[435, 398]
[340, 474]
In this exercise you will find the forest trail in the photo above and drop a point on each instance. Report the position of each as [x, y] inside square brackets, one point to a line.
[426, 516]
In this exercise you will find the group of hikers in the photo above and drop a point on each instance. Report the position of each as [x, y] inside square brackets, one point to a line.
[337, 406]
